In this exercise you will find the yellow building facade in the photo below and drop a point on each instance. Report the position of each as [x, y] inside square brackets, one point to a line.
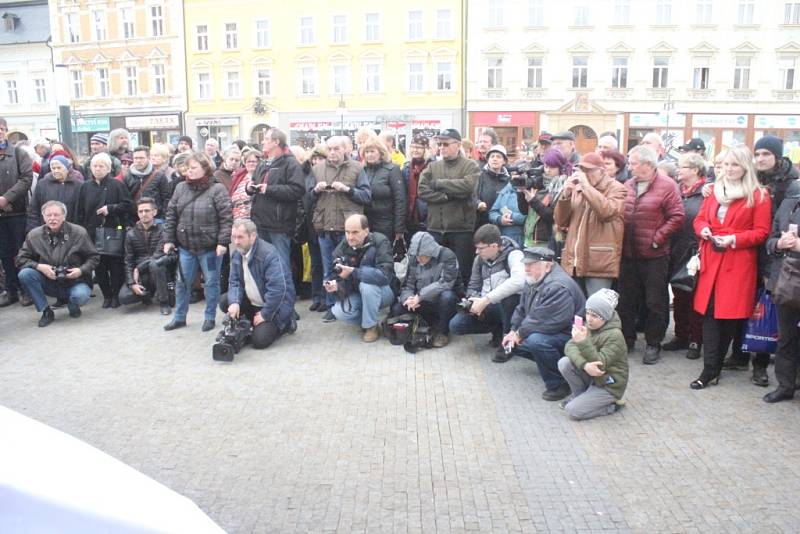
[319, 68]
[120, 64]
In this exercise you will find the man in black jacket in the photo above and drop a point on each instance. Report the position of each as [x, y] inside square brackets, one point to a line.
[57, 259]
[147, 269]
[143, 180]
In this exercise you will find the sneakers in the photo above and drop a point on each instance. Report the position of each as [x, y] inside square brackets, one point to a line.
[47, 317]
[651, 354]
[737, 361]
[329, 317]
[371, 334]
[694, 351]
[557, 394]
[440, 340]
[760, 377]
[677, 343]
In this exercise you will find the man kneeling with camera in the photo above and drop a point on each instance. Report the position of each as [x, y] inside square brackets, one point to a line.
[57, 259]
[362, 269]
[147, 269]
[498, 277]
[260, 287]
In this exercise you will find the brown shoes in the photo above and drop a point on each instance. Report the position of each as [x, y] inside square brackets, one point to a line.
[440, 341]
[371, 334]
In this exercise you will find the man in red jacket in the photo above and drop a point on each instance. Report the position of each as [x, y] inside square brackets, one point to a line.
[653, 212]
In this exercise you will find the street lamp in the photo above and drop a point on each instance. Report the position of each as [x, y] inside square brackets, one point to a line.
[342, 111]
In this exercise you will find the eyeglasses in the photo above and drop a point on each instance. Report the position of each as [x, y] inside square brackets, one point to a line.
[447, 143]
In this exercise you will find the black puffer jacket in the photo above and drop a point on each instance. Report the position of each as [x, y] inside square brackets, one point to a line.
[489, 185]
[154, 185]
[141, 244]
[387, 211]
[275, 210]
[778, 181]
[199, 217]
[685, 240]
[92, 196]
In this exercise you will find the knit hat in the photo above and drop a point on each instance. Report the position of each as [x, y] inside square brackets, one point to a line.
[603, 302]
[771, 143]
[186, 139]
[61, 159]
[100, 138]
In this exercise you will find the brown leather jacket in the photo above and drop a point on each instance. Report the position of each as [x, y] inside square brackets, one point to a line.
[595, 221]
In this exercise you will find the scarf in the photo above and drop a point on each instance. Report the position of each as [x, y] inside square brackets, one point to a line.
[143, 173]
[688, 191]
[239, 176]
[554, 185]
[726, 192]
[202, 183]
[415, 168]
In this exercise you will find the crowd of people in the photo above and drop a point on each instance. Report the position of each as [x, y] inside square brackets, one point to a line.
[562, 258]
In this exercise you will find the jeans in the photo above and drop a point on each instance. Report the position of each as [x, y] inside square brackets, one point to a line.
[328, 241]
[363, 307]
[644, 281]
[264, 334]
[437, 314]
[588, 400]
[37, 286]
[545, 350]
[154, 279]
[12, 236]
[462, 245]
[496, 319]
[283, 244]
[210, 263]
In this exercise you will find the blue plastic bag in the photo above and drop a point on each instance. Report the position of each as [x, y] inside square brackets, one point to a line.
[761, 331]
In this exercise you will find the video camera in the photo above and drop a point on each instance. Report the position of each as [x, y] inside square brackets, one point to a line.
[525, 176]
[61, 274]
[163, 261]
[235, 334]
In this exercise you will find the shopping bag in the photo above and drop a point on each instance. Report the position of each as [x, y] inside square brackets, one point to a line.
[306, 263]
[761, 330]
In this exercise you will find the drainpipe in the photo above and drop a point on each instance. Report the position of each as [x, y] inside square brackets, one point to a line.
[464, 31]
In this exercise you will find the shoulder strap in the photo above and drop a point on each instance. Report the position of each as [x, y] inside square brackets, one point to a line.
[191, 201]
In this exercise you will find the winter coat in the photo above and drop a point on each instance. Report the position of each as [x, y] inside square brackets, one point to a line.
[86, 168]
[448, 186]
[778, 180]
[92, 196]
[500, 278]
[332, 207]
[606, 345]
[594, 218]
[141, 244]
[507, 198]
[199, 217]
[416, 215]
[16, 179]
[651, 218]
[273, 278]
[275, 210]
[685, 242]
[440, 274]
[788, 213]
[387, 211]
[223, 176]
[74, 248]
[490, 184]
[543, 229]
[550, 306]
[154, 185]
[731, 275]
[48, 188]
[373, 262]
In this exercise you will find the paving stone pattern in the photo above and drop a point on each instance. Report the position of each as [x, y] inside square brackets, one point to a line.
[322, 433]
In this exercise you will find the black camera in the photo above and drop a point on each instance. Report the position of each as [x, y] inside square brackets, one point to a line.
[230, 340]
[61, 274]
[336, 267]
[464, 305]
[524, 176]
[167, 259]
[421, 338]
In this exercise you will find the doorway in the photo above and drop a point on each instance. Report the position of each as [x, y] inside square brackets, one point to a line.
[508, 138]
[585, 139]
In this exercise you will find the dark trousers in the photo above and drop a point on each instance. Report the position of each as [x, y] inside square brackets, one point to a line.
[264, 334]
[154, 278]
[437, 314]
[12, 236]
[495, 319]
[110, 274]
[462, 245]
[717, 337]
[688, 323]
[644, 280]
[788, 347]
[317, 292]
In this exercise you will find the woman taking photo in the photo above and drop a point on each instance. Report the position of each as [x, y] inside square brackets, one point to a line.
[199, 223]
[241, 179]
[387, 211]
[539, 204]
[733, 221]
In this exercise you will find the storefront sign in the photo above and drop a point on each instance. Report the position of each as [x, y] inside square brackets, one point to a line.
[777, 121]
[91, 124]
[153, 122]
[503, 118]
[648, 120]
[227, 121]
[719, 121]
[427, 123]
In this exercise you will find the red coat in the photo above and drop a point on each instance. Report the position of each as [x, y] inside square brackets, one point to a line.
[652, 218]
[731, 274]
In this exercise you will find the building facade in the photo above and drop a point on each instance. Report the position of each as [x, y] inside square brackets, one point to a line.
[27, 91]
[120, 64]
[722, 70]
[322, 68]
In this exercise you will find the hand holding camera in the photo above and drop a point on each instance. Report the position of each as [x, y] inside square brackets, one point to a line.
[594, 368]
[47, 270]
[330, 286]
[233, 311]
[511, 339]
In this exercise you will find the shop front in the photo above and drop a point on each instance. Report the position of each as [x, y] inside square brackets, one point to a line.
[84, 127]
[787, 127]
[225, 130]
[517, 130]
[150, 129]
[670, 126]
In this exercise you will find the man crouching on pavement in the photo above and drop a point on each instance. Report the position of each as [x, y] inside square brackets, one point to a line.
[542, 323]
[260, 286]
[57, 259]
[362, 271]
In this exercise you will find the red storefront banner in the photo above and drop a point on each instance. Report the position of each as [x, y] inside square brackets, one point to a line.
[503, 118]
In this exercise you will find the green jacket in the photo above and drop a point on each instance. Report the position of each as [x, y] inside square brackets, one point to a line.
[449, 189]
[608, 346]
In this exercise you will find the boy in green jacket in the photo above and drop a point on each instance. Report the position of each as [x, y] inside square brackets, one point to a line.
[596, 361]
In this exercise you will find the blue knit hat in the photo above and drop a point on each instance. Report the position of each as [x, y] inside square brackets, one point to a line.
[61, 159]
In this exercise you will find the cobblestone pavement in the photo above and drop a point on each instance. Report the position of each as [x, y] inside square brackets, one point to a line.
[324, 433]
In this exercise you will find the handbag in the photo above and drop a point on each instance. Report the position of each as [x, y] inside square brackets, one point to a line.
[110, 241]
[787, 286]
[685, 278]
[761, 330]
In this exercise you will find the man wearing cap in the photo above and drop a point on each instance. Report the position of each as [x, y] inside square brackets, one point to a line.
[544, 142]
[542, 322]
[565, 143]
[494, 177]
[416, 208]
[99, 143]
[592, 209]
[448, 186]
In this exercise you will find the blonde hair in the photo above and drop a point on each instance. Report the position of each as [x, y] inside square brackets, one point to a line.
[744, 158]
[160, 149]
[379, 146]
[299, 152]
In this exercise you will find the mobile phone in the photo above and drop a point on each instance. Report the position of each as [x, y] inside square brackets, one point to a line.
[610, 380]
[793, 228]
[578, 321]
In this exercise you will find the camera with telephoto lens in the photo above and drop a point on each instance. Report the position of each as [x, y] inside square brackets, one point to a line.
[464, 305]
[230, 340]
[421, 337]
[167, 258]
[524, 176]
[336, 267]
[61, 274]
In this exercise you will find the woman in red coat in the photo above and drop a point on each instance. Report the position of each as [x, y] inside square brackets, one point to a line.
[733, 222]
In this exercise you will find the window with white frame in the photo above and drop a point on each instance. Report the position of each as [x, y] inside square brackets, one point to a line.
[372, 27]
[100, 25]
[306, 31]
[444, 24]
[536, 13]
[494, 73]
[158, 73]
[786, 68]
[11, 91]
[660, 72]
[308, 80]
[156, 21]
[131, 80]
[341, 79]
[535, 70]
[72, 28]
[791, 13]
[414, 25]
[741, 73]
[580, 72]
[619, 72]
[262, 34]
[231, 36]
[263, 76]
[663, 12]
[416, 77]
[202, 82]
[339, 29]
[444, 76]
[581, 14]
[745, 12]
[103, 83]
[372, 78]
[127, 21]
[201, 31]
[233, 84]
[40, 89]
[703, 11]
[496, 13]
[622, 12]
[77, 84]
[702, 72]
